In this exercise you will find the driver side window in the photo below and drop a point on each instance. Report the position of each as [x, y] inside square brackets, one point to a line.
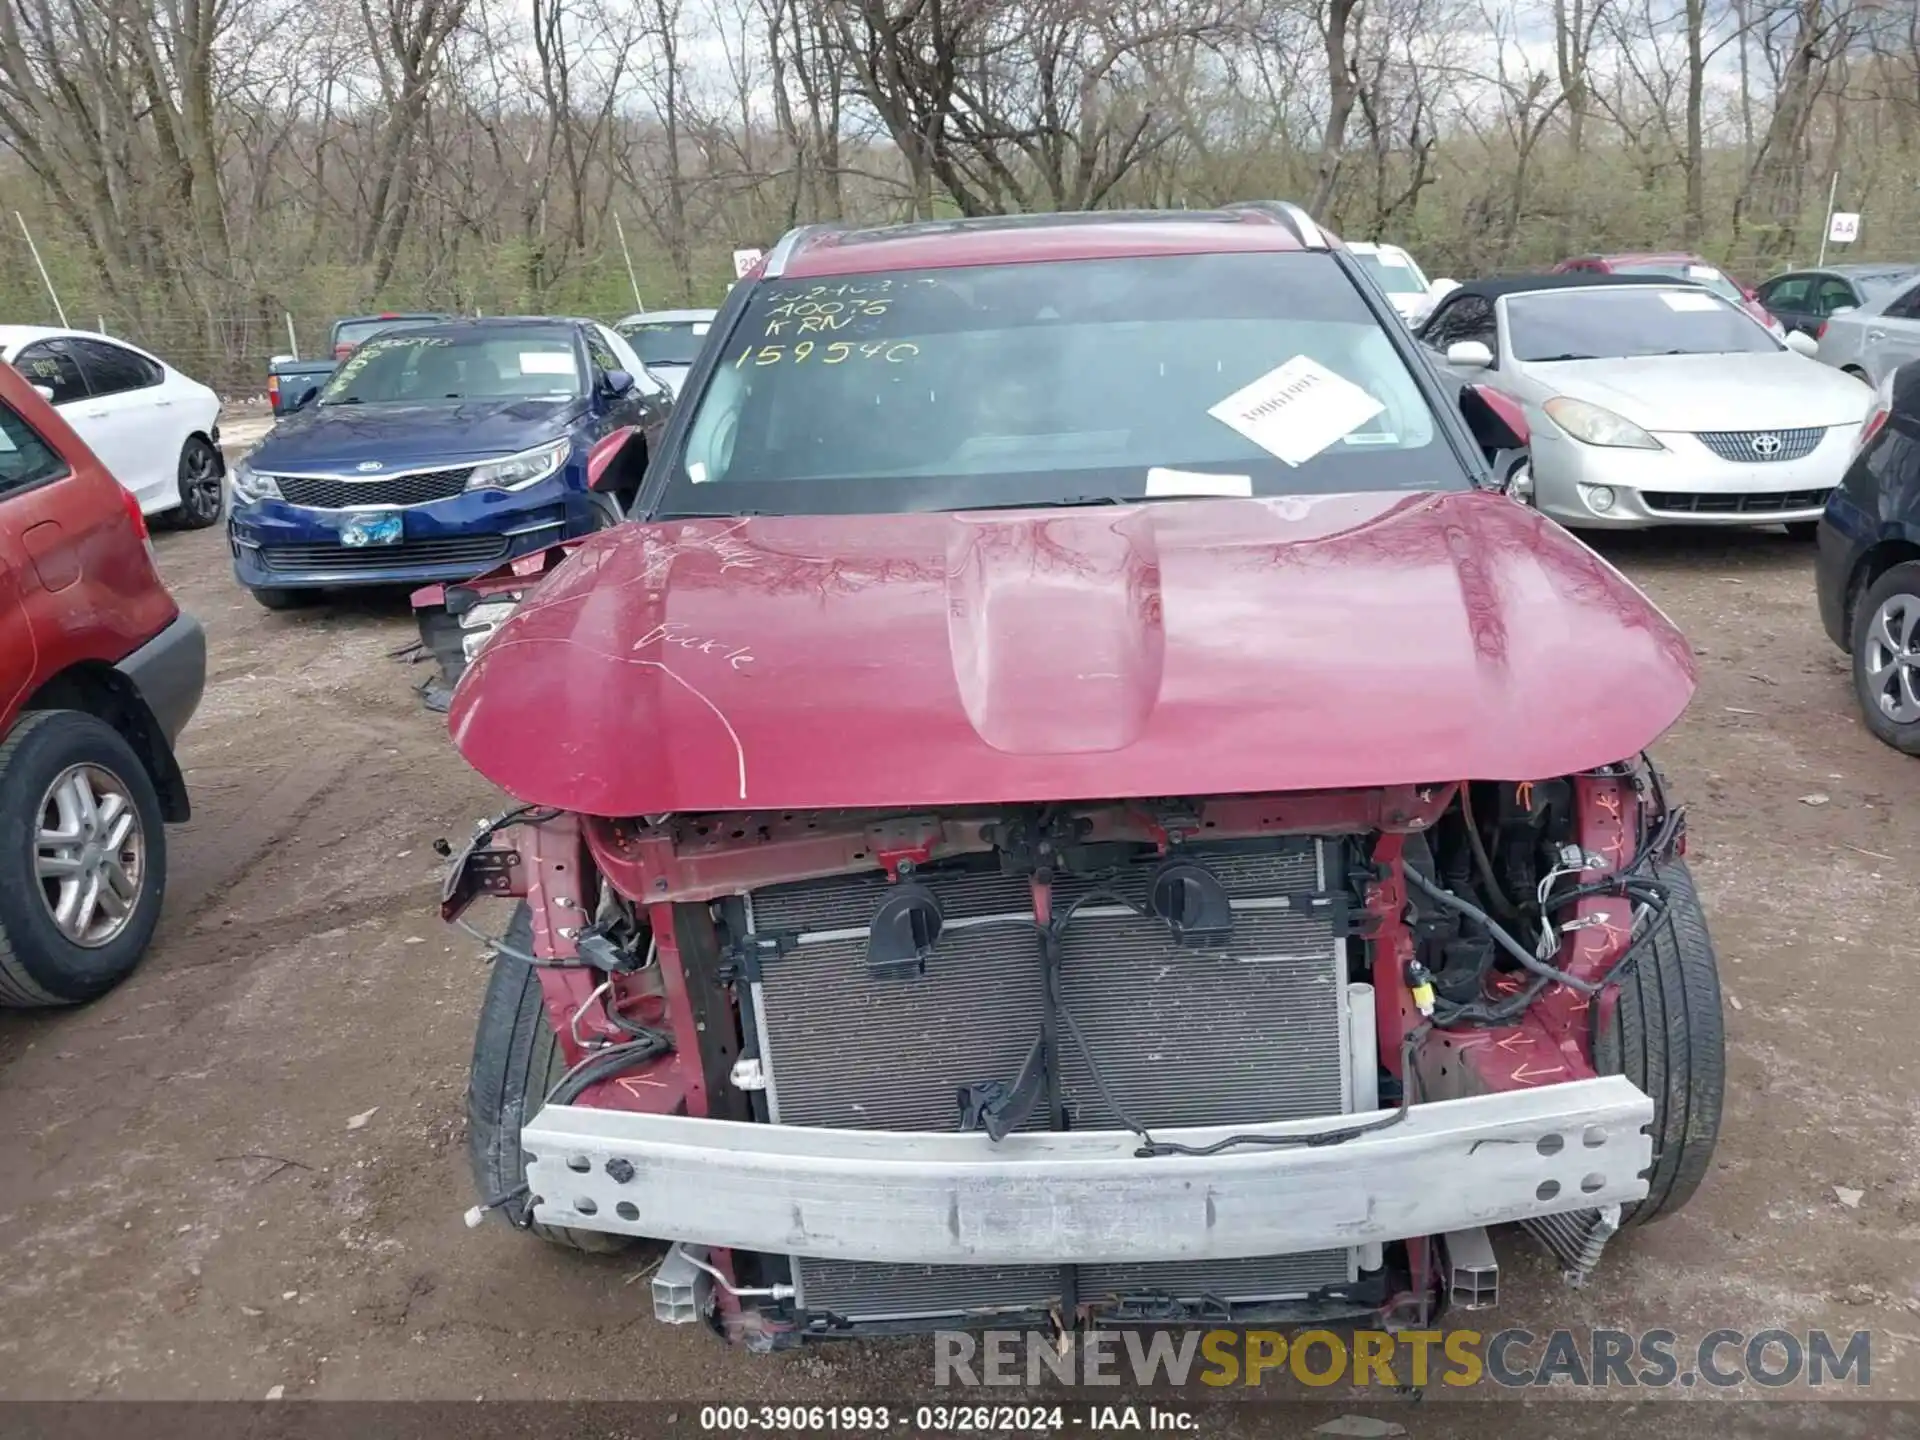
[612, 352]
[1469, 317]
[1907, 307]
[1833, 295]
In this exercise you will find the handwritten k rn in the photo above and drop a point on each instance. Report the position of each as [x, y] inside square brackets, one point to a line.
[738, 656]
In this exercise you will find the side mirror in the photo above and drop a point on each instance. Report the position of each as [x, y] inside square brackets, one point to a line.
[619, 382]
[1802, 343]
[617, 461]
[1496, 419]
[45, 392]
[299, 397]
[1470, 355]
[1842, 310]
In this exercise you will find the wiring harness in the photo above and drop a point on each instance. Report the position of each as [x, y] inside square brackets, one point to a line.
[1637, 881]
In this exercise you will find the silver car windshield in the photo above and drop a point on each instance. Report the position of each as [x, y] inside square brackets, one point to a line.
[1629, 323]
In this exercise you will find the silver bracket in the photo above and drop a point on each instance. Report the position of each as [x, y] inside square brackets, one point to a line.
[682, 1291]
[1473, 1273]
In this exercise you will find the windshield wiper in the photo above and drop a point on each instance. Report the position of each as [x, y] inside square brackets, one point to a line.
[1064, 502]
[1554, 359]
[706, 515]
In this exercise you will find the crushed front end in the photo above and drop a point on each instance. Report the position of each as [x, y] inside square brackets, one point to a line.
[1253, 1058]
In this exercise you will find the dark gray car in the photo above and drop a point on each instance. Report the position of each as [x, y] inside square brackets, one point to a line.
[1805, 300]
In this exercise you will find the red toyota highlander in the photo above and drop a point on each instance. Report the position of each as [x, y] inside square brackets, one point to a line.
[99, 671]
[1074, 799]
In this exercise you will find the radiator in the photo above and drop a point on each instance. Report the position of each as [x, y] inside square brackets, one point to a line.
[1251, 1032]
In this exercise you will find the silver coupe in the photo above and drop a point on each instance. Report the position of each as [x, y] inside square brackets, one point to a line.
[1653, 402]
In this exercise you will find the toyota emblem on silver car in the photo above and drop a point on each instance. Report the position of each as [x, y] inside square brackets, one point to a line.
[1766, 446]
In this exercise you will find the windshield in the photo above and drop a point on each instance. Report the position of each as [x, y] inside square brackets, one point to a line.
[1883, 282]
[1629, 322]
[349, 333]
[666, 342]
[1393, 272]
[1055, 383]
[425, 367]
[1703, 275]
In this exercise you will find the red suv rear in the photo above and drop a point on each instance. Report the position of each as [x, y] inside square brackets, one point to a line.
[99, 672]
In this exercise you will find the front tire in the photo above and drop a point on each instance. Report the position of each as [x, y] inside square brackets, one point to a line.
[202, 485]
[515, 1063]
[1668, 1037]
[83, 859]
[1886, 657]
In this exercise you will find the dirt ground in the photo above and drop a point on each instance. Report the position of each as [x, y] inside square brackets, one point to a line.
[192, 1210]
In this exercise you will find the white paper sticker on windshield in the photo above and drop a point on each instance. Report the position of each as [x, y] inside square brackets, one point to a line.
[1702, 272]
[697, 472]
[1162, 482]
[1297, 409]
[1686, 300]
[700, 327]
[545, 362]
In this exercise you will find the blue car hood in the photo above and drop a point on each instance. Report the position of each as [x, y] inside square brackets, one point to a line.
[331, 438]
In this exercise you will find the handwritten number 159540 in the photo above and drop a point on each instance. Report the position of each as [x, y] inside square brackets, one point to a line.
[833, 352]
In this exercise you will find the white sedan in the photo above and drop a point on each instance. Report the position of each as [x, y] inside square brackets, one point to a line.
[1397, 273]
[155, 430]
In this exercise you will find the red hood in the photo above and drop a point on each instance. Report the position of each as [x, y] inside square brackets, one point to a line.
[1187, 648]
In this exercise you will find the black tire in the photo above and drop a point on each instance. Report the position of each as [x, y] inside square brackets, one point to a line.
[203, 473]
[39, 965]
[1668, 1037]
[1803, 530]
[1900, 580]
[277, 599]
[515, 1063]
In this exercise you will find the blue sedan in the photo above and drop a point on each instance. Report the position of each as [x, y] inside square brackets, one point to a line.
[436, 453]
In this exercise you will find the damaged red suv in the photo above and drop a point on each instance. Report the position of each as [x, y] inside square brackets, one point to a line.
[1074, 800]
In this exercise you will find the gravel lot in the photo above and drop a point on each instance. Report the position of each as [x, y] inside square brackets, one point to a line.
[189, 1212]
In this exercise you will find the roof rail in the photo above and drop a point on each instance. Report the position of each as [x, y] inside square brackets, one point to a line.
[783, 250]
[1290, 215]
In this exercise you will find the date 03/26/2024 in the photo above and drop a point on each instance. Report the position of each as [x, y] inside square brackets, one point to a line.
[954, 1419]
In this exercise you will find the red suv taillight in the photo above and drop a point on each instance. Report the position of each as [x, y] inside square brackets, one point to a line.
[134, 514]
[273, 388]
[1821, 333]
[1876, 422]
[340, 352]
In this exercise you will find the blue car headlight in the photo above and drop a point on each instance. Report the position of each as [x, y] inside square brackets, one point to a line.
[249, 484]
[516, 472]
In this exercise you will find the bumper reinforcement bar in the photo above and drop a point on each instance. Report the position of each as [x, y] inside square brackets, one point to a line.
[1081, 1197]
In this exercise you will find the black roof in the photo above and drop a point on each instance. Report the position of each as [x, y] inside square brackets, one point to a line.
[1498, 285]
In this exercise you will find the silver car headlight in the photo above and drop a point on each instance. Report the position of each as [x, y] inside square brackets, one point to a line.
[250, 485]
[1593, 425]
[516, 472]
